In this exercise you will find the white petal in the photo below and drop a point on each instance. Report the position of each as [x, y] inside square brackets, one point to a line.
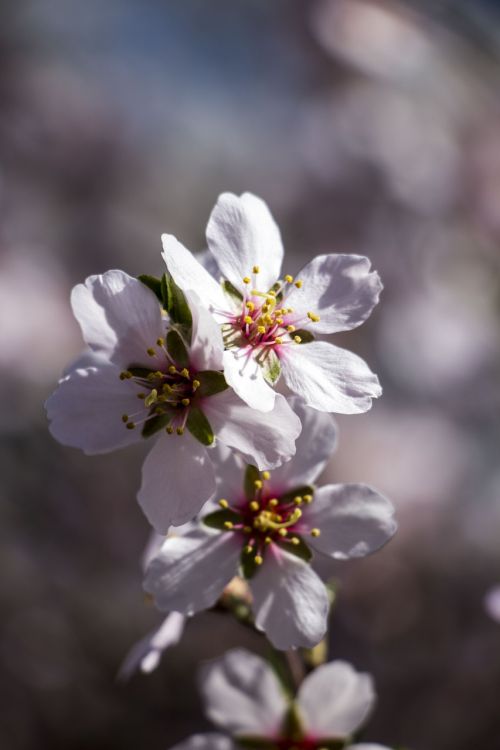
[315, 446]
[230, 470]
[119, 317]
[241, 233]
[329, 378]
[189, 274]
[86, 408]
[242, 694]
[335, 700]
[354, 520]
[145, 655]
[245, 376]
[265, 439]
[207, 347]
[290, 601]
[177, 479]
[211, 741]
[191, 571]
[207, 260]
[340, 288]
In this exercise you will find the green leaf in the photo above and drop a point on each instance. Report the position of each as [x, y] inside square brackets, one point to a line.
[176, 304]
[164, 292]
[218, 518]
[211, 382]
[305, 489]
[177, 349]
[155, 424]
[299, 550]
[247, 563]
[271, 367]
[305, 336]
[232, 291]
[199, 426]
[251, 475]
[152, 283]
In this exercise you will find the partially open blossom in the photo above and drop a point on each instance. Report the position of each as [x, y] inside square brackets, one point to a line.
[267, 528]
[269, 320]
[154, 374]
[243, 697]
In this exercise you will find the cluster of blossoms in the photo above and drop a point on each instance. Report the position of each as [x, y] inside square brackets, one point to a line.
[190, 361]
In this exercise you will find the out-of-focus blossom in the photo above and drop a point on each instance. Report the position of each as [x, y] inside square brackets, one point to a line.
[146, 654]
[269, 323]
[243, 697]
[492, 603]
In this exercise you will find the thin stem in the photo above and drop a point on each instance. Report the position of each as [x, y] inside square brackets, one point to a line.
[295, 666]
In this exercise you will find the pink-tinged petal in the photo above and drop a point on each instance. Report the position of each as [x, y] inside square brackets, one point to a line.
[492, 603]
[191, 571]
[315, 446]
[85, 411]
[230, 470]
[354, 520]
[242, 694]
[329, 378]
[189, 274]
[265, 439]
[335, 700]
[245, 376]
[146, 654]
[119, 317]
[210, 741]
[341, 289]
[241, 233]
[177, 479]
[290, 601]
[207, 348]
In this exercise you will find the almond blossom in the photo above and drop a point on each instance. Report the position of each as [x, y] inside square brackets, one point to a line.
[267, 528]
[269, 320]
[243, 697]
[153, 374]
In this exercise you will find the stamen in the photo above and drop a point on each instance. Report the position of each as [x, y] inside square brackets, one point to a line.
[288, 278]
[315, 532]
[130, 425]
[223, 503]
[308, 499]
[258, 484]
[185, 373]
[266, 475]
[228, 525]
[180, 430]
[295, 540]
[273, 502]
[254, 505]
[313, 317]
[256, 269]
[297, 339]
[196, 385]
[169, 429]
[172, 370]
[124, 418]
[246, 279]
[297, 500]
[258, 560]
[248, 549]
[151, 352]
[248, 320]
[250, 306]
[160, 341]
[298, 284]
[152, 398]
[283, 532]
[290, 329]
[185, 402]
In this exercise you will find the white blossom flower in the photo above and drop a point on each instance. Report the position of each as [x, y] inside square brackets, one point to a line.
[243, 697]
[269, 322]
[267, 528]
[145, 655]
[157, 376]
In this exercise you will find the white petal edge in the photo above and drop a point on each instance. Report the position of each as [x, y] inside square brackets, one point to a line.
[245, 377]
[335, 700]
[241, 233]
[177, 479]
[354, 520]
[290, 602]
[207, 348]
[329, 378]
[242, 694]
[340, 288]
[209, 741]
[314, 447]
[265, 439]
[145, 655]
[191, 571]
[119, 317]
[85, 410]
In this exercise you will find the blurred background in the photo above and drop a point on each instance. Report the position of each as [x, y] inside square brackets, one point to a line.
[369, 127]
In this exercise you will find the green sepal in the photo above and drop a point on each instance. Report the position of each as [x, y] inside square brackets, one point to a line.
[232, 291]
[306, 336]
[177, 349]
[152, 283]
[299, 550]
[164, 295]
[247, 563]
[140, 372]
[218, 518]
[291, 727]
[155, 424]
[211, 382]
[251, 475]
[255, 743]
[199, 426]
[176, 304]
[305, 489]
[271, 367]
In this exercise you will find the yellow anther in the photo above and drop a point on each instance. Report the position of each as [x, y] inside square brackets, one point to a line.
[282, 532]
[160, 341]
[279, 321]
[248, 320]
[273, 502]
[172, 369]
[267, 540]
[185, 373]
[185, 402]
[289, 310]
[313, 317]
[130, 425]
[180, 430]
[297, 339]
[298, 284]
[228, 525]
[290, 329]
[272, 294]
[266, 475]
[288, 278]
[247, 529]
[223, 503]
[250, 305]
[169, 429]
[297, 513]
[265, 309]
[248, 548]
[297, 500]
[196, 384]
[254, 505]
[315, 532]
[258, 484]
[261, 329]
[246, 279]
[308, 499]
[151, 351]
[278, 340]
[151, 399]
[295, 540]
[258, 560]
[125, 375]
[125, 418]
[256, 269]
